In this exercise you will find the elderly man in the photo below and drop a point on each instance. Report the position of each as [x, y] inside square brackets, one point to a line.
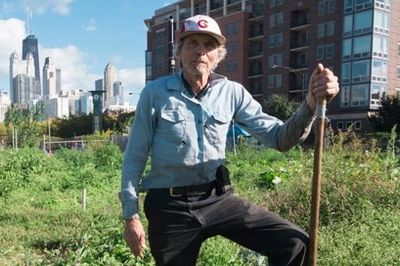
[182, 122]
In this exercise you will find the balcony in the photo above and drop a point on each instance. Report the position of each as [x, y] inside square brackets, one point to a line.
[255, 52]
[299, 45]
[299, 19]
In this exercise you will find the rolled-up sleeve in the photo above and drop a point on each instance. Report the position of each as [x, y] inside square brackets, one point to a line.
[267, 129]
[136, 154]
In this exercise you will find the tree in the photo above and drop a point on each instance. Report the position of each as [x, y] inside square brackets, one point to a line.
[388, 115]
[75, 125]
[280, 106]
[25, 122]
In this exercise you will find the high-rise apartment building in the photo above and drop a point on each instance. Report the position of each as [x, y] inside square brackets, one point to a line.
[273, 47]
[110, 76]
[51, 76]
[30, 46]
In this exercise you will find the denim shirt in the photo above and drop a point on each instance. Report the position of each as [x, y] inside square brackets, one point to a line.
[185, 137]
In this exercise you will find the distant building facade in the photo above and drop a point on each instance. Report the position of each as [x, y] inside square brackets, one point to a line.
[273, 47]
[110, 76]
[51, 79]
[25, 69]
[57, 107]
[4, 104]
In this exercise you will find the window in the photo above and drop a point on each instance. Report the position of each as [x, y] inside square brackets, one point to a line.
[340, 125]
[398, 72]
[232, 28]
[362, 47]
[348, 6]
[326, 7]
[232, 48]
[360, 71]
[346, 73]
[347, 47]
[275, 40]
[357, 125]
[301, 59]
[397, 90]
[275, 20]
[380, 46]
[256, 87]
[362, 4]
[320, 52]
[231, 66]
[379, 70]
[326, 29]
[381, 22]
[274, 3]
[377, 92]
[325, 51]
[329, 51]
[362, 22]
[359, 95]
[398, 49]
[275, 81]
[275, 59]
[348, 25]
[345, 96]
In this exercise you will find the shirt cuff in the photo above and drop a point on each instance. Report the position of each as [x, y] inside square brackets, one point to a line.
[129, 204]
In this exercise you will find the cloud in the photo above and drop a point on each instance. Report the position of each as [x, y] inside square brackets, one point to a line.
[75, 72]
[12, 32]
[133, 79]
[90, 26]
[41, 6]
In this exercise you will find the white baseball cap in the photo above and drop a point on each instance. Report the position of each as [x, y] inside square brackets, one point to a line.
[202, 24]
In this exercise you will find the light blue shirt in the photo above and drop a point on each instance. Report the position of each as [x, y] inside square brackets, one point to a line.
[186, 137]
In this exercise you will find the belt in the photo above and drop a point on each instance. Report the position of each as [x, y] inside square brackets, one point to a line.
[187, 191]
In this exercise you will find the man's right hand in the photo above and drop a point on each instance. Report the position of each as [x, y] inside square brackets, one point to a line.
[135, 237]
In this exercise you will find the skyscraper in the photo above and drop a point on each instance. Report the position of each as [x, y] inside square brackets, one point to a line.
[30, 45]
[21, 67]
[50, 76]
[110, 76]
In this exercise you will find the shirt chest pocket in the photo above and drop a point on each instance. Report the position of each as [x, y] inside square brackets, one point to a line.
[217, 127]
[173, 125]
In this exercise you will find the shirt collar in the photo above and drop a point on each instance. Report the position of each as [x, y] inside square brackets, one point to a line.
[176, 82]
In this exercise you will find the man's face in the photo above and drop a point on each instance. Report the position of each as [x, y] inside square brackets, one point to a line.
[199, 54]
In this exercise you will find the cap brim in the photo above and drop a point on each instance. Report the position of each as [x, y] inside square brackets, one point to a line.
[220, 39]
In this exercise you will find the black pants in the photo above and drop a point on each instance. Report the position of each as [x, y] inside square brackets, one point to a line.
[178, 226]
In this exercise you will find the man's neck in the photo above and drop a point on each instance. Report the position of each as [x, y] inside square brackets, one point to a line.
[197, 82]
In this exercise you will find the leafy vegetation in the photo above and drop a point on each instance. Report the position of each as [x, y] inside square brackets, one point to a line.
[42, 221]
[280, 106]
[388, 114]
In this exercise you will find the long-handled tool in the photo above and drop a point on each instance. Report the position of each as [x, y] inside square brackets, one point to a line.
[316, 183]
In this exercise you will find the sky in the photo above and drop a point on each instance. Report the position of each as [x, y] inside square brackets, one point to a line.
[81, 36]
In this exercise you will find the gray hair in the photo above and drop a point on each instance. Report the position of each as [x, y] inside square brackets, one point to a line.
[221, 52]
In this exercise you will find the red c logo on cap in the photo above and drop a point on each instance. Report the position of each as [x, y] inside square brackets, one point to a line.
[202, 23]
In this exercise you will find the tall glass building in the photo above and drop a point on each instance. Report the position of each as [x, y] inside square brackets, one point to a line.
[30, 45]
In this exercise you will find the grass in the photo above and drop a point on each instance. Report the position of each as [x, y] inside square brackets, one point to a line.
[42, 221]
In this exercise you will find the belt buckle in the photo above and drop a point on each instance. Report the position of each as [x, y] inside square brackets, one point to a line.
[171, 193]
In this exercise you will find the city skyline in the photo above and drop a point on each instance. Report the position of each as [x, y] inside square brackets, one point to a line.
[81, 39]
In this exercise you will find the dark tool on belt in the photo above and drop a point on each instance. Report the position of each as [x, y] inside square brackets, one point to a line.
[222, 180]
